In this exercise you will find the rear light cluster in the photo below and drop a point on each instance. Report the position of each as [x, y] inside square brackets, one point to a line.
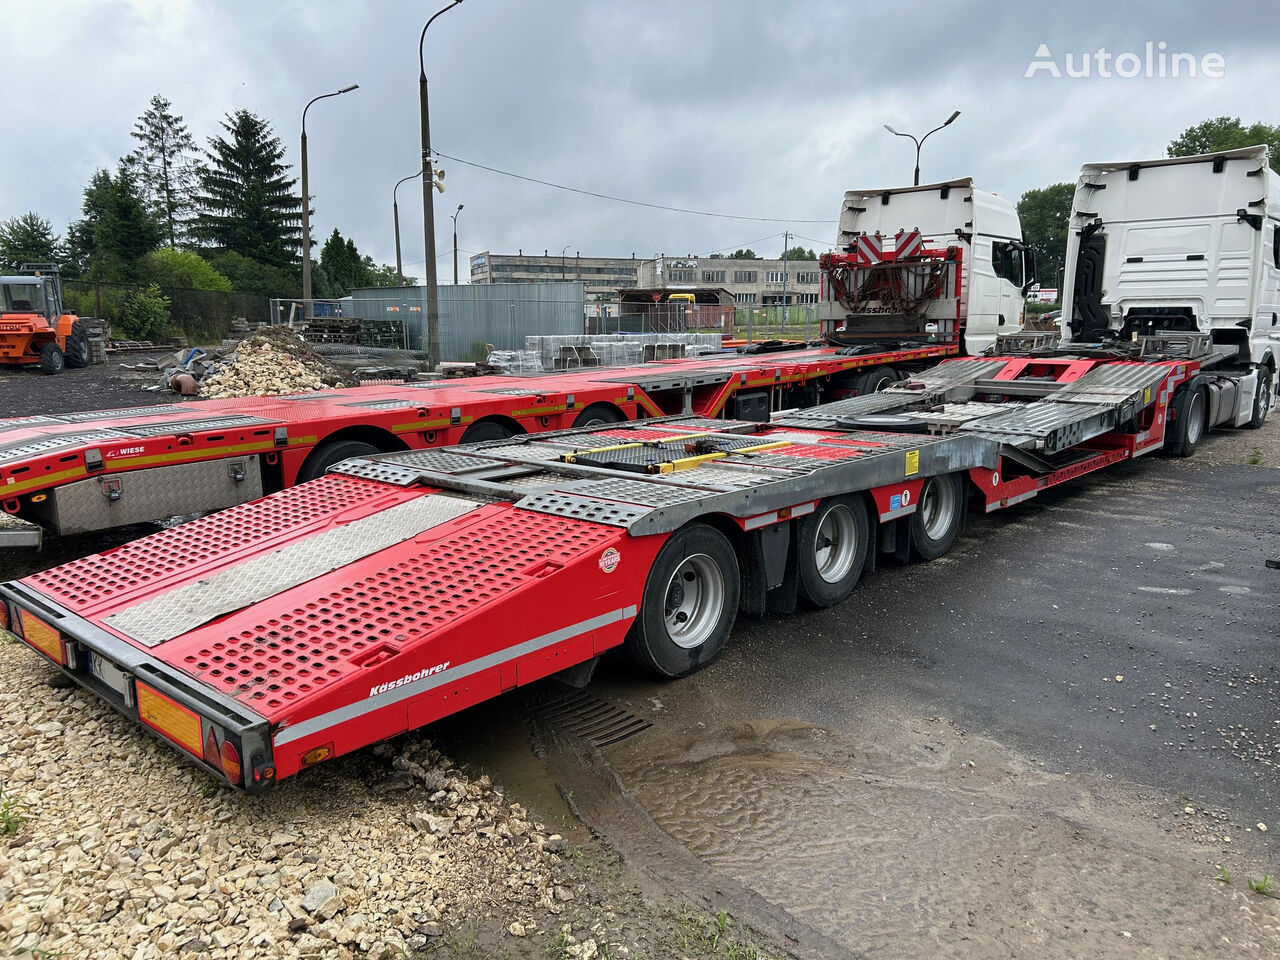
[197, 735]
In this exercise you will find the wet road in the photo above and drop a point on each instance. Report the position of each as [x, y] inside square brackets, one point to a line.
[1047, 740]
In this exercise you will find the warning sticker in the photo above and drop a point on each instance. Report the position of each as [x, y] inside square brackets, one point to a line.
[913, 462]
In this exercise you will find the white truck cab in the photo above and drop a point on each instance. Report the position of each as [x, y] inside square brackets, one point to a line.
[941, 256]
[1177, 244]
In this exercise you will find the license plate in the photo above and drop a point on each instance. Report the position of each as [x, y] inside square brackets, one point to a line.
[110, 674]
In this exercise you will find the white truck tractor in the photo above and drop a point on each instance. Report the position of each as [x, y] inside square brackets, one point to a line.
[939, 260]
[1183, 247]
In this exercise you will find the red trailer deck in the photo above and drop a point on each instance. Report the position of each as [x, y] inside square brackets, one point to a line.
[77, 472]
[403, 587]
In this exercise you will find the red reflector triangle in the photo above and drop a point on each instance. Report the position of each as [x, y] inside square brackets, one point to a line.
[211, 754]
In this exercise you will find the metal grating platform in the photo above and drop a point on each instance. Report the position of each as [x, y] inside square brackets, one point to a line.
[583, 508]
[382, 404]
[268, 664]
[192, 426]
[640, 492]
[171, 614]
[202, 542]
[91, 415]
[22, 449]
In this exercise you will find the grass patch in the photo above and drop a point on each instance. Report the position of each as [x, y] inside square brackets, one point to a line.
[13, 813]
[1255, 458]
[1224, 875]
[1265, 885]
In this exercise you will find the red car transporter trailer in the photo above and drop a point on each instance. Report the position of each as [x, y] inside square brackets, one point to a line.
[78, 472]
[403, 587]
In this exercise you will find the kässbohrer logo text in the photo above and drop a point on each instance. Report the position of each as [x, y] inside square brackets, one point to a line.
[408, 678]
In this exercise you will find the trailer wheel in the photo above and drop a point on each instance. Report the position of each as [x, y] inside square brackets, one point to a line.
[1189, 414]
[832, 550]
[51, 358]
[690, 601]
[875, 380]
[487, 430]
[936, 522]
[77, 349]
[327, 454]
[599, 415]
[1261, 399]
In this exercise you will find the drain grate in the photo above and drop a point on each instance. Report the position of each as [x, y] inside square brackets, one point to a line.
[597, 721]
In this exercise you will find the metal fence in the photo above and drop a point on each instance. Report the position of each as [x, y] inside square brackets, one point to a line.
[737, 321]
[203, 315]
[475, 317]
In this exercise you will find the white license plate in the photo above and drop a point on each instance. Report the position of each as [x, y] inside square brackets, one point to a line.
[110, 674]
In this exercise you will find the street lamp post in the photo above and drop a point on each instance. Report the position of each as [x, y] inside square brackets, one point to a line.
[562, 253]
[306, 201]
[454, 217]
[395, 216]
[919, 142]
[428, 204]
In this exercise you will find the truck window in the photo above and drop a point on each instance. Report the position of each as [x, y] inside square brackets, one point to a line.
[1006, 260]
[1275, 246]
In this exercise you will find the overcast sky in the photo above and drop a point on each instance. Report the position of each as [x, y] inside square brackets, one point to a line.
[743, 107]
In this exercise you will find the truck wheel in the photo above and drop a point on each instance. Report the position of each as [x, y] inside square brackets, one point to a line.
[599, 415]
[690, 601]
[832, 550]
[1189, 414]
[1261, 399]
[51, 358]
[487, 430]
[936, 522]
[77, 348]
[875, 380]
[327, 454]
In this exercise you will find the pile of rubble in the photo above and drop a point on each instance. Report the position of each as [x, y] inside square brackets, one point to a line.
[271, 362]
[122, 849]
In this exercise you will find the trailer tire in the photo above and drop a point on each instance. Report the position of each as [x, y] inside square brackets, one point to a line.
[327, 454]
[77, 349]
[1261, 399]
[487, 430]
[1190, 413]
[832, 545]
[51, 358]
[938, 517]
[599, 415]
[875, 380]
[689, 604]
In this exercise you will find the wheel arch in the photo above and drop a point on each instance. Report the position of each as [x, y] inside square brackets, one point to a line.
[510, 423]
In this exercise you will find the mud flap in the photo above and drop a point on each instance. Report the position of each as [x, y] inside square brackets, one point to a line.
[764, 560]
[781, 568]
[579, 675]
[894, 538]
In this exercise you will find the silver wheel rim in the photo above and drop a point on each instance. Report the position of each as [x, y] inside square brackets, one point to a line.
[1265, 394]
[1194, 423]
[937, 505]
[694, 600]
[835, 543]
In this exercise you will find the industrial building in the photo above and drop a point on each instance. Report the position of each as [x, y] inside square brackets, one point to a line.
[749, 282]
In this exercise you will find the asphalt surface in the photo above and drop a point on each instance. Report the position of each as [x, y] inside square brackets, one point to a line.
[1153, 571]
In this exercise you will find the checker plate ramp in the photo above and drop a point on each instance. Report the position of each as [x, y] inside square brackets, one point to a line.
[171, 614]
[188, 426]
[22, 449]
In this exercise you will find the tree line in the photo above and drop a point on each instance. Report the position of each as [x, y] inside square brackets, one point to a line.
[1046, 212]
[226, 218]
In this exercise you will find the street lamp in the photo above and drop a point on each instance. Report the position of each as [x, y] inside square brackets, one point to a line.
[428, 204]
[918, 143]
[562, 253]
[395, 215]
[306, 201]
[454, 217]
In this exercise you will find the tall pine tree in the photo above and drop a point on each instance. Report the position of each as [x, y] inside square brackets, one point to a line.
[245, 198]
[165, 163]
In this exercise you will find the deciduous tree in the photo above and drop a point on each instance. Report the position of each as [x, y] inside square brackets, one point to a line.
[1046, 214]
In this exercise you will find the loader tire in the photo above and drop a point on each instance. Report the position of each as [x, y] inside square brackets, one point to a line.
[77, 348]
[689, 604]
[51, 358]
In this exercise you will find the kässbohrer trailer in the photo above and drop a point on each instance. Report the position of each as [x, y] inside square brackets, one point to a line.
[79, 472]
[400, 588]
